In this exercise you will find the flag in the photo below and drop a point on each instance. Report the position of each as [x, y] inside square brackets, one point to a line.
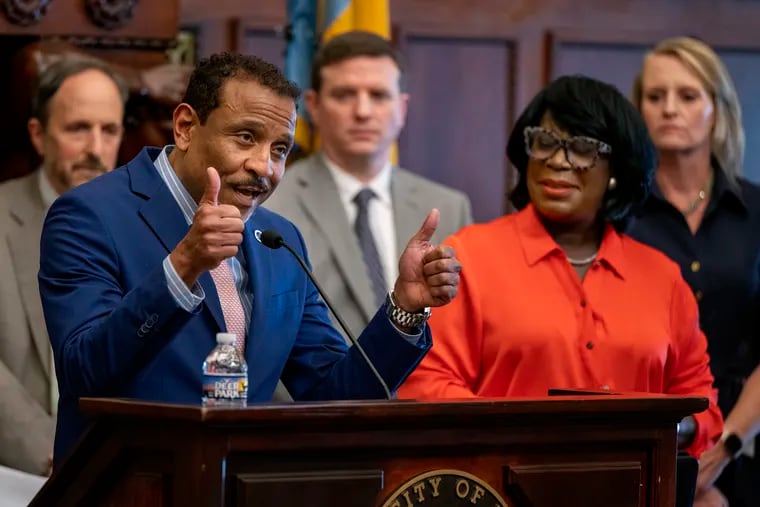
[302, 43]
[339, 16]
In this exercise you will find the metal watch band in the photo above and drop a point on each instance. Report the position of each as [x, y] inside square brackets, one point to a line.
[401, 317]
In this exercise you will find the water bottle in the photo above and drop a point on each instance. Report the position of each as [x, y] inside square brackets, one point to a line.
[225, 374]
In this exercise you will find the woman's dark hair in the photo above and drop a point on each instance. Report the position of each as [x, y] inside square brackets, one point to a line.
[586, 107]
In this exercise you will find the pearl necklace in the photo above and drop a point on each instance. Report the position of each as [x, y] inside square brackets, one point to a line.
[581, 262]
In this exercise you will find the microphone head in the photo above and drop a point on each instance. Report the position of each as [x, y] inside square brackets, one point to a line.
[271, 239]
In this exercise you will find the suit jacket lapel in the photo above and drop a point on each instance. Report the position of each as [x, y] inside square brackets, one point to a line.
[321, 200]
[259, 265]
[163, 216]
[405, 209]
[24, 244]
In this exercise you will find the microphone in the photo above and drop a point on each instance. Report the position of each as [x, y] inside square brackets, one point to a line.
[274, 240]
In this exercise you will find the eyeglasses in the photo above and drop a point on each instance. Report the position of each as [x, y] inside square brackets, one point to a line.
[581, 152]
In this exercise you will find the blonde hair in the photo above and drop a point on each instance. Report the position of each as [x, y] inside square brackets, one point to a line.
[727, 141]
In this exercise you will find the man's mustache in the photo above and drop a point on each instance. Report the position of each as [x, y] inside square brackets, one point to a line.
[259, 184]
[92, 164]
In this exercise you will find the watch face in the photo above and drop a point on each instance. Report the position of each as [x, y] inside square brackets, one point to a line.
[733, 444]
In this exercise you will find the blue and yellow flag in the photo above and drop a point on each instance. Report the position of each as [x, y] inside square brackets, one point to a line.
[302, 43]
[339, 16]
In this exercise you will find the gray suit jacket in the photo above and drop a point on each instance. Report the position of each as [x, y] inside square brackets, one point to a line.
[26, 426]
[308, 196]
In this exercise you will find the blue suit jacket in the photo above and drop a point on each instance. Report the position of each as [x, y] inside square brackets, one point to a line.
[117, 331]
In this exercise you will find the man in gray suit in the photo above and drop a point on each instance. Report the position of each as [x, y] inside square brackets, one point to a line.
[354, 208]
[76, 127]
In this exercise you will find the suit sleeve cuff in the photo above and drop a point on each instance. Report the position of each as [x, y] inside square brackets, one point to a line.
[188, 299]
[413, 339]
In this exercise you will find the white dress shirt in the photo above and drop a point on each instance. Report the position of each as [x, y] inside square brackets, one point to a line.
[380, 212]
[47, 191]
[18, 488]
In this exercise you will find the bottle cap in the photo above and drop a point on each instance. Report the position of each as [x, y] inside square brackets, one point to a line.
[226, 338]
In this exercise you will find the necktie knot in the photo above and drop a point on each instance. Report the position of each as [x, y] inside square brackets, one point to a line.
[363, 197]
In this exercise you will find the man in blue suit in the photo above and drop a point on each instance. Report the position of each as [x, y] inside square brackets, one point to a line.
[126, 279]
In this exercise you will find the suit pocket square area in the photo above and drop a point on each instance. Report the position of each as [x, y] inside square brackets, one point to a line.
[282, 301]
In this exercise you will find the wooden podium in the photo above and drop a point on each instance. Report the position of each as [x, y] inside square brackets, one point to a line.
[564, 451]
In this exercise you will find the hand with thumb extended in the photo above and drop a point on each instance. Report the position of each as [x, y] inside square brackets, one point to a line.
[211, 191]
[215, 234]
[428, 274]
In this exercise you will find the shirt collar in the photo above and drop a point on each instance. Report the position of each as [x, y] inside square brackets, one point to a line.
[723, 191]
[538, 244]
[186, 203]
[726, 191]
[49, 195]
[348, 185]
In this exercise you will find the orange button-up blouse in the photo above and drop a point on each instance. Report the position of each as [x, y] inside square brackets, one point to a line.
[523, 322]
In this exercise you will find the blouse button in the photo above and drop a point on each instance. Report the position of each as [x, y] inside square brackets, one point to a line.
[589, 345]
[695, 266]
[698, 295]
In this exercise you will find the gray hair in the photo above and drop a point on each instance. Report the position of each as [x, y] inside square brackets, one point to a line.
[52, 77]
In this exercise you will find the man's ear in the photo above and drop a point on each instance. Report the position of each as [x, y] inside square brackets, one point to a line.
[36, 135]
[185, 120]
[311, 101]
[404, 105]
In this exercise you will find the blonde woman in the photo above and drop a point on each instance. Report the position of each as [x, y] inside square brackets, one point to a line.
[706, 217]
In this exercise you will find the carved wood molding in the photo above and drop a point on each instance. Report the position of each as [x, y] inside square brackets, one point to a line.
[25, 12]
[117, 42]
[110, 14]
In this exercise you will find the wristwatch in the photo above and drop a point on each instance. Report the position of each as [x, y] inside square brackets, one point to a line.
[402, 318]
[733, 444]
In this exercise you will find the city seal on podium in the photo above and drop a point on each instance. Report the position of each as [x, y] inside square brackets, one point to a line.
[444, 488]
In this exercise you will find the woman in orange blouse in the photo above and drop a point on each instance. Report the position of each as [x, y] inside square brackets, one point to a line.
[556, 296]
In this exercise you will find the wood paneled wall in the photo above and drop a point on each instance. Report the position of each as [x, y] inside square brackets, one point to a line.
[473, 65]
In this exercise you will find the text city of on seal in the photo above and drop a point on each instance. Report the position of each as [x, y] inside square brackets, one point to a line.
[445, 488]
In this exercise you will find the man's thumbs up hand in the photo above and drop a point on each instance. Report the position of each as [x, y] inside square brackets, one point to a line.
[428, 274]
[215, 234]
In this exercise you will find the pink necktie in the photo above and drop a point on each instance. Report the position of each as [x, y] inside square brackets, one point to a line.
[234, 317]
